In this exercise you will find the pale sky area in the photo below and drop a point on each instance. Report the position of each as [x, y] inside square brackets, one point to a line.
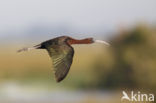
[89, 15]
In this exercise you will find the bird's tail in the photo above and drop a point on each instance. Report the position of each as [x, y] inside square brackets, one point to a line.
[28, 49]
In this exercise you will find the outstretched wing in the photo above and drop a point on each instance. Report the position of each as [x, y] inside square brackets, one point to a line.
[62, 57]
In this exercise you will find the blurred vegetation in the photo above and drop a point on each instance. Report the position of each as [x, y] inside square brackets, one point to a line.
[130, 62]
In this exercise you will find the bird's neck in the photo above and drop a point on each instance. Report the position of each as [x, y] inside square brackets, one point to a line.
[82, 41]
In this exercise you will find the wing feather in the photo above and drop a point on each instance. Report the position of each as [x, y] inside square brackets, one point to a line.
[62, 57]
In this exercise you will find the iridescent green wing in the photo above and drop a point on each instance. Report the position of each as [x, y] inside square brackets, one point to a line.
[62, 57]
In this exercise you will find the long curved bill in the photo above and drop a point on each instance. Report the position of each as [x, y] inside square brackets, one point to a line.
[101, 41]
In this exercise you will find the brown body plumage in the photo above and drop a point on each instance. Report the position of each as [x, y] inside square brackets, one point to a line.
[61, 52]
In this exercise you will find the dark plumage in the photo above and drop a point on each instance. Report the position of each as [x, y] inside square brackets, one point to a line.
[62, 53]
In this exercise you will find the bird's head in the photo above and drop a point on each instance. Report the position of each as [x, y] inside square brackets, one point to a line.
[71, 41]
[88, 40]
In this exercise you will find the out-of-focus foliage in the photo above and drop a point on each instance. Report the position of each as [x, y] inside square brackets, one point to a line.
[130, 62]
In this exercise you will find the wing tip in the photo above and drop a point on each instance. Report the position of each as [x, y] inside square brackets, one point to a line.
[58, 80]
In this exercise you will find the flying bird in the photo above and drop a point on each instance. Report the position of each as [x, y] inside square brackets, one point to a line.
[61, 53]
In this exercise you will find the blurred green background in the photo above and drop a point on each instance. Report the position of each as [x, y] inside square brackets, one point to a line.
[128, 64]
[99, 73]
